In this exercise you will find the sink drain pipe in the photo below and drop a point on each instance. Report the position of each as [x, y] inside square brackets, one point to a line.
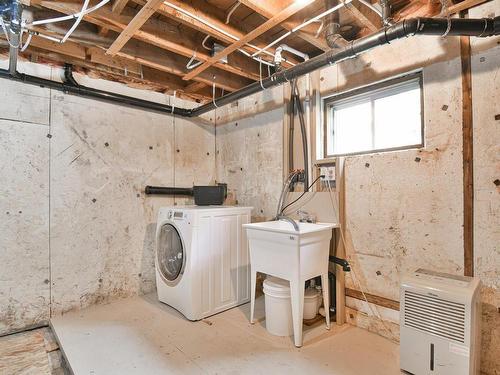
[481, 27]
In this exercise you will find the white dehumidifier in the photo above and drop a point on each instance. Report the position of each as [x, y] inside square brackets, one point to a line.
[440, 324]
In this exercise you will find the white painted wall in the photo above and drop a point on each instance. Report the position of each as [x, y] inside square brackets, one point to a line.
[76, 226]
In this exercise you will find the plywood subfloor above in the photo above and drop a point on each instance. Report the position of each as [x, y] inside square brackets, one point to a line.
[142, 336]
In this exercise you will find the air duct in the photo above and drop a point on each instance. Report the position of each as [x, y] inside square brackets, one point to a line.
[481, 27]
[332, 25]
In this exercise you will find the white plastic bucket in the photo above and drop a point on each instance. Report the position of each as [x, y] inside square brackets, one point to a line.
[278, 307]
[312, 302]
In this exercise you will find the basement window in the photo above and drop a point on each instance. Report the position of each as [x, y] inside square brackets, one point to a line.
[385, 116]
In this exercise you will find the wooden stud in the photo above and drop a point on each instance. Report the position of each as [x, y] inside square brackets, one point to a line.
[269, 8]
[266, 26]
[341, 251]
[372, 298]
[140, 19]
[467, 155]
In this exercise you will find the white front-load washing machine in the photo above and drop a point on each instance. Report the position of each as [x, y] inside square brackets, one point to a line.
[201, 258]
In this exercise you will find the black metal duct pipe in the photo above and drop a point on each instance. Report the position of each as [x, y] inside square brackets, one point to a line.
[481, 27]
[89, 92]
[167, 190]
[332, 25]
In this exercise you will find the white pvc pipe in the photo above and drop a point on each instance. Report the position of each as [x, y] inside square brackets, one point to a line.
[295, 29]
[77, 22]
[69, 17]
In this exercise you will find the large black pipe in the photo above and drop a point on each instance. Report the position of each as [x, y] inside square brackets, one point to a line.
[92, 93]
[481, 27]
[167, 190]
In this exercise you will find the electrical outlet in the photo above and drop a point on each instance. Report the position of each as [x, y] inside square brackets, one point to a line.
[328, 172]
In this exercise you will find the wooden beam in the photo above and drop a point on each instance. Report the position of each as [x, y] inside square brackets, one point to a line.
[464, 5]
[467, 156]
[341, 251]
[214, 16]
[99, 63]
[266, 26]
[162, 35]
[117, 8]
[361, 17]
[372, 298]
[140, 19]
[268, 8]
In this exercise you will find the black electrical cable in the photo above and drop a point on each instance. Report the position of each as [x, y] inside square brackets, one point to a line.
[303, 193]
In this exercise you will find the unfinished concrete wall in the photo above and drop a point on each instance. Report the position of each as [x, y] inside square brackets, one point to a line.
[405, 208]
[250, 151]
[486, 116]
[79, 229]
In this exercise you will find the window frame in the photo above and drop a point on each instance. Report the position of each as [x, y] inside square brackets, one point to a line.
[371, 92]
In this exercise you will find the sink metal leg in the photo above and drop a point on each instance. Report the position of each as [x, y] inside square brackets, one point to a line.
[297, 297]
[326, 297]
[253, 285]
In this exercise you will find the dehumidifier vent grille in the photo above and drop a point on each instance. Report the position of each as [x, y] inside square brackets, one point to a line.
[435, 316]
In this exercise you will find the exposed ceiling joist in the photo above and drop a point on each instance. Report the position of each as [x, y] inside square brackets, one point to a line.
[164, 36]
[140, 19]
[266, 26]
[214, 25]
[361, 17]
[117, 8]
[268, 8]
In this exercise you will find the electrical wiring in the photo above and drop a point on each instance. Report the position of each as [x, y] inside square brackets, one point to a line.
[355, 278]
[303, 193]
[77, 22]
[69, 17]
[6, 31]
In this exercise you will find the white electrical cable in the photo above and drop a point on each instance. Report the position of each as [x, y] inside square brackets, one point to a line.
[27, 43]
[77, 22]
[213, 94]
[173, 101]
[235, 6]
[355, 278]
[69, 17]
[6, 31]
[295, 29]
[204, 41]
[198, 63]
[209, 24]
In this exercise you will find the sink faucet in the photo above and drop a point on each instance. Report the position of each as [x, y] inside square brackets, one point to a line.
[306, 217]
[290, 220]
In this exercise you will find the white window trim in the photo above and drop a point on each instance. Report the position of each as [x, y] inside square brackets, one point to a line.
[365, 93]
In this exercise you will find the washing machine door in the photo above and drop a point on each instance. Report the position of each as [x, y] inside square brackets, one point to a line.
[171, 255]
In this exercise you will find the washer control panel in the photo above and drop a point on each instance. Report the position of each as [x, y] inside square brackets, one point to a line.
[175, 215]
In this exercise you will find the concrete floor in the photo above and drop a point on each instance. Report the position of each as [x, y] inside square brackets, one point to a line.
[142, 336]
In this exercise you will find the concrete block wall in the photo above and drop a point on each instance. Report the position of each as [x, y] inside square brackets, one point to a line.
[76, 226]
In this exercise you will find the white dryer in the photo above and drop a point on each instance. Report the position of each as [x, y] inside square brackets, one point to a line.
[202, 260]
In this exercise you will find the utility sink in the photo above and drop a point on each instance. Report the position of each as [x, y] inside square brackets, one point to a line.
[282, 226]
[278, 249]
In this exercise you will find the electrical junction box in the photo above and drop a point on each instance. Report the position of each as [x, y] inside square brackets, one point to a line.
[218, 48]
[328, 172]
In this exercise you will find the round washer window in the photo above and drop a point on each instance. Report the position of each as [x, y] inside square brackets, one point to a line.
[170, 253]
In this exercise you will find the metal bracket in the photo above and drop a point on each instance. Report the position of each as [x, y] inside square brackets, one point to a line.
[346, 267]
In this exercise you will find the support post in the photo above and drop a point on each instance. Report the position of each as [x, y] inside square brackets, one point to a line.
[468, 166]
[341, 251]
